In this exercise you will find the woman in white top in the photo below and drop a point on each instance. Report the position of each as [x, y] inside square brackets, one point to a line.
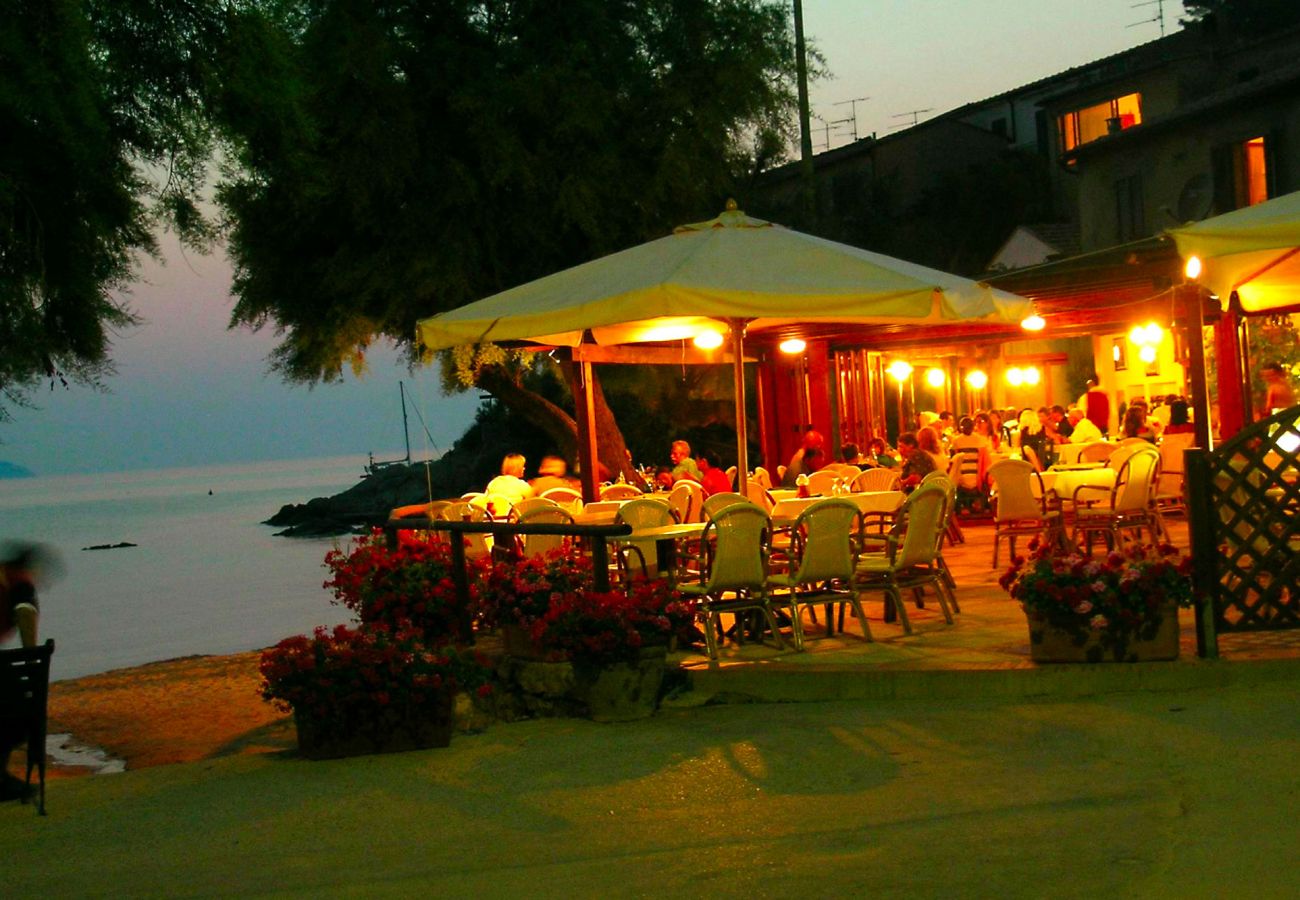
[510, 483]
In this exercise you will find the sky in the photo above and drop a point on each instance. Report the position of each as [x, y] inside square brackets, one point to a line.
[188, 391]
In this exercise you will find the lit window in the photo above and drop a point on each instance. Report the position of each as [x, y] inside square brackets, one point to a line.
[1255, 171]
[1086, 125]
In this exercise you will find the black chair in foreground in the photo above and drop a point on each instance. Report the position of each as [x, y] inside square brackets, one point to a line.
[24, 692]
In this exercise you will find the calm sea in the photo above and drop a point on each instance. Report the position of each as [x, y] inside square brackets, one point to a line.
[205, 578]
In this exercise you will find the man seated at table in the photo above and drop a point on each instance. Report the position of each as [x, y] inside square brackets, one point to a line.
[551, 474]
[1085, 432]
[916, 462]
[683, 465]
[712, 479]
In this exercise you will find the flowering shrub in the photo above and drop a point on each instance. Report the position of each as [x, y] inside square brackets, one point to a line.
[349, 677]
[612, 626]
[1119, 595]
[519, 591]
[409, 587]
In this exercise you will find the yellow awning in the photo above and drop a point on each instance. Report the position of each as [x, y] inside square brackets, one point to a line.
[731, 267]
[1254, 251]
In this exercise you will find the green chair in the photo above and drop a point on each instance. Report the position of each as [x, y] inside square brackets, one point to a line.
[822, 567]
[541, 544]
[734, 577]
[644, 513]
[911, 551]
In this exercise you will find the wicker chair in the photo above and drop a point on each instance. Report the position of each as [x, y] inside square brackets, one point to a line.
[1017, 512]
[821, 563]
[911, 549]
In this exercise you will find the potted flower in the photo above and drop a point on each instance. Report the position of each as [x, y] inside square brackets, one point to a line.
[1122, 608]
[617, 642]
[518, 592]
[404, 587]
[368, 690]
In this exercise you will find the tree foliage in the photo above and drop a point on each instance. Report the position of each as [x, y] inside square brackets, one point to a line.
[423, 155]
[105, 137]
[1249, 16]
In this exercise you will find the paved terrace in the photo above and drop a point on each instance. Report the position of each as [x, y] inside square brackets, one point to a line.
[984, 653]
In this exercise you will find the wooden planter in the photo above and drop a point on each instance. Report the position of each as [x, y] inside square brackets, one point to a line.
[386, 730]
[622, 692]
[1158, 640]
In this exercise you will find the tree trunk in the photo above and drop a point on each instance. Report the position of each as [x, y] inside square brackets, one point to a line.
[553, 420]
[610, 446]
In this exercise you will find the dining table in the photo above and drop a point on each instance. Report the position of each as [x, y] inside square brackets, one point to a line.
[787, 509]
[1065, 480]
[665, 538]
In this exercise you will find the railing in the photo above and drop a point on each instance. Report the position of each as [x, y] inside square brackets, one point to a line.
[1243, 502]
[459, 575]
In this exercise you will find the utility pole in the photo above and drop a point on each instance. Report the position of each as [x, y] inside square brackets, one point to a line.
[806, 172]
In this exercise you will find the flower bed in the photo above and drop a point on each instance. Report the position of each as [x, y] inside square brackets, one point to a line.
[1081, 609]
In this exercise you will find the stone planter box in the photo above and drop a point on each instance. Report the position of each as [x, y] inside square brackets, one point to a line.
[622, 692]
[1155, 641]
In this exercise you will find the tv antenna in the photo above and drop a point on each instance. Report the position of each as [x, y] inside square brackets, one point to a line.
[853, 104]
[1159, 16]
[914, 113]
[826, 131]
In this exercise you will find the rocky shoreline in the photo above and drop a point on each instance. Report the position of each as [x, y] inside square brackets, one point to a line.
[358, 509]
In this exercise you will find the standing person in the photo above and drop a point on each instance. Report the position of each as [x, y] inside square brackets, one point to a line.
[510, 483]
[1278, 394]
[18, 576]
[795, 468]
[712, 479]
[1096, 405]
[683, 465]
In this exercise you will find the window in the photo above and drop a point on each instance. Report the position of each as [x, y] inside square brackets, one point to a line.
[1085, 125]
[1243, 172]
[1129, 218]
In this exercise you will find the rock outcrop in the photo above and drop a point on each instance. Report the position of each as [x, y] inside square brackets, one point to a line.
[359, 508]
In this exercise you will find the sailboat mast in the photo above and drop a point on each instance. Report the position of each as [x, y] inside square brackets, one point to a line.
[401, 388]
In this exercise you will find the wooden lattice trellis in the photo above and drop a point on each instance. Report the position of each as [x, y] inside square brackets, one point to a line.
[1244, 506]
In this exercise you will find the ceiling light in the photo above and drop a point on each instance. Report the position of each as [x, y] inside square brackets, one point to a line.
[934, 377]
[708, 340]
[899, 370]
[1033, 323]
[977, 379]
[793, 345]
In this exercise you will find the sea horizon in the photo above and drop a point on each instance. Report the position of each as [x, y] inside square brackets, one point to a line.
[204, 575]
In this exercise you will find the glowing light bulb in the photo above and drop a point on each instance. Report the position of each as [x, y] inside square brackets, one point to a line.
[1033, 323]
[899, 370]
[977, 379]
[708, 340]
[1155, 334]
[1193, 268]
[934, 377]
[793, 345]
[1031, 375]
[1138, 335]
[1015, 377]
[1147, 354]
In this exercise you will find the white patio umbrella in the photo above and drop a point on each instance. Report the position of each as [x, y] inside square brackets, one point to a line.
[733, 272]
[1254, 251]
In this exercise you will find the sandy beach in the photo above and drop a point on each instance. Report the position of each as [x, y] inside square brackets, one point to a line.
[175, 711]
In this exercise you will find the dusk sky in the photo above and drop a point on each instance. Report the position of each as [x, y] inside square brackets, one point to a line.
[189, 392]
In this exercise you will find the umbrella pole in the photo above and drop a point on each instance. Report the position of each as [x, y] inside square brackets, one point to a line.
[585, 407]
[738, 372]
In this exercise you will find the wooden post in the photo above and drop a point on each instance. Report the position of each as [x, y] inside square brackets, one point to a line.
[1194, 319]
[738, 372]
[585, 409]
[1200, 513]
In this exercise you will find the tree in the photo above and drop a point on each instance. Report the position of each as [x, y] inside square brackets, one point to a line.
[421, 156]
[105, 137]
[1249, 16]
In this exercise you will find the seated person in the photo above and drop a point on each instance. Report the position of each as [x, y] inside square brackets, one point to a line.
[683, 465]
[881, 455]
[551, 474]
[796, 467]
[510, 483]
[1180, 419]
[664, 478]
[712, 479]
[1085, 432]
[916, 462]
[850, 456]
[967, 437]
[928, 440]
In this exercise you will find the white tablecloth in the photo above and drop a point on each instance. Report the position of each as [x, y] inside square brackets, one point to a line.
[867, 501]
[1065, 483]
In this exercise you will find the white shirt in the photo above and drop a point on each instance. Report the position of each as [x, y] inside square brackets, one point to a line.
[512, 488]
[1085, 432]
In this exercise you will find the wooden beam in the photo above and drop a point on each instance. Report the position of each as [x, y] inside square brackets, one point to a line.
[645, 355]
